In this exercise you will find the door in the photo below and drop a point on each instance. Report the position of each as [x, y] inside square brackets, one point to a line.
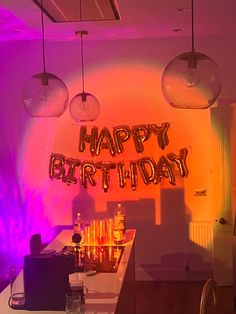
[222, 128]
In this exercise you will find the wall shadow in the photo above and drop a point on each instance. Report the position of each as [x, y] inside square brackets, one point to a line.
[84, 204]
[165, 247]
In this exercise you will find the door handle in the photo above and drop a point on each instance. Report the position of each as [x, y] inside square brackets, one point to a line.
[222, 221]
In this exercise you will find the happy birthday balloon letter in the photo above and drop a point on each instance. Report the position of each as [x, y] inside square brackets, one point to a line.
[99, 141]
[130, 173]
[57, 169]
[105, 166]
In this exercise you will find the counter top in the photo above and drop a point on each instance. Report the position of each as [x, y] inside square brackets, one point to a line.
[103, 288]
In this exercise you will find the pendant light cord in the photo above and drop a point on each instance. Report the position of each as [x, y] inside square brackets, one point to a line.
[43, 46]
[81, 47]
[192, 18]
[82, 60]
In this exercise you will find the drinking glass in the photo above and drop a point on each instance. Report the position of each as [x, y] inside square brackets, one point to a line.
[101, 236]
[78, 287]
[73, 303]
[94, 231]
[87, 234]
[16, 287]
[109, 230]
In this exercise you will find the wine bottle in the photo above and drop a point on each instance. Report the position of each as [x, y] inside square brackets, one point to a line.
[119, 224]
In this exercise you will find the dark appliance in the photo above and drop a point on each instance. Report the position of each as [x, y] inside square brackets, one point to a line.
[46, 280]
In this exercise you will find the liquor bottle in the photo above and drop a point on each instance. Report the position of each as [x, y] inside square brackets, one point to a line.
[119, 225]
[79, 226]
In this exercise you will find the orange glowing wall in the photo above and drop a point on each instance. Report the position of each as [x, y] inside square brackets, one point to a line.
[127, 84]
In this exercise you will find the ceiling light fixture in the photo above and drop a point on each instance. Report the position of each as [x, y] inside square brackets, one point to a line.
[61, 11]
[84, 106]
[44, 94]
[192, 79]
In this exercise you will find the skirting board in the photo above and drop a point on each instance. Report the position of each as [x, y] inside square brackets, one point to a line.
[166, 274]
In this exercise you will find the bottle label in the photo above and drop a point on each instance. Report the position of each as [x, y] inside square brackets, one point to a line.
[120, 222]
[118, 236]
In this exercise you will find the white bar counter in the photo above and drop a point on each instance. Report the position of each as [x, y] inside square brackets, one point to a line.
[107, 292]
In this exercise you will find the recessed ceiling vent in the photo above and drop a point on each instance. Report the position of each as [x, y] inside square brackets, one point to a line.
[60, 11]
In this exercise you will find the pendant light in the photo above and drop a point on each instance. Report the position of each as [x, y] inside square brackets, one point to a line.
[192, 79]
[44, 94]
[84, 106]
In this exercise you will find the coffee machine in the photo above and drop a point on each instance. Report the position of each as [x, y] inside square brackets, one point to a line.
[46, 279]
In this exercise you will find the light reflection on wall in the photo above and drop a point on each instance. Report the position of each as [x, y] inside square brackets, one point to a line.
[130, 103]
[62, 135]
[21, 210]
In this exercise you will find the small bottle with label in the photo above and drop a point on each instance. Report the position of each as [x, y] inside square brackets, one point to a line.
[119, 225]
[79, 226]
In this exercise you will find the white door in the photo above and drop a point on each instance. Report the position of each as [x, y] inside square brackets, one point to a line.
[222, 128]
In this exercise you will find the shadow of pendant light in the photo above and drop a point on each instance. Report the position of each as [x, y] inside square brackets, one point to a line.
[84, 106]
[192, 79]
[44, 94]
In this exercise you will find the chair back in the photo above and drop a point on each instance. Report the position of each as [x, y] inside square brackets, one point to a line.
[210, 287]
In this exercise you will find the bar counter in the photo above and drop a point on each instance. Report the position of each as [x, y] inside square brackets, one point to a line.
[107, 292]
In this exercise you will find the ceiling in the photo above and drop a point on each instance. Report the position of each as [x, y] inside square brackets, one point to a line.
[21, 20]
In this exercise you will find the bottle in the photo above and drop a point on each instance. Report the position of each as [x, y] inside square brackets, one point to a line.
[79, 226]
[119, 225]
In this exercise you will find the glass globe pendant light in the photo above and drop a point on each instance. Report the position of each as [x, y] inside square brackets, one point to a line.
[44, 94]
[191, 80]
[84, 106]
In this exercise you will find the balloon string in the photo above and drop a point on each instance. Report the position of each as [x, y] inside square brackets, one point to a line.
[121, 124]
[117, 159]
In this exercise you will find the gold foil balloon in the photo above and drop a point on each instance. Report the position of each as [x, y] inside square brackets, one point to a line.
[180, 161]
[147, 169]
[70, 178]
[56, 166]
[140, 134]
[105, 141]
[163, 170]
[87, 172]
[105, 167]
[130, 173]
[121, 134]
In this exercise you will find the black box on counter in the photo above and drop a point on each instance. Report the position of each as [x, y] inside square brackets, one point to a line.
[46, 280]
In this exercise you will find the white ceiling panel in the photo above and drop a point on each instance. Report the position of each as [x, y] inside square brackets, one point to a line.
[138, 19]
